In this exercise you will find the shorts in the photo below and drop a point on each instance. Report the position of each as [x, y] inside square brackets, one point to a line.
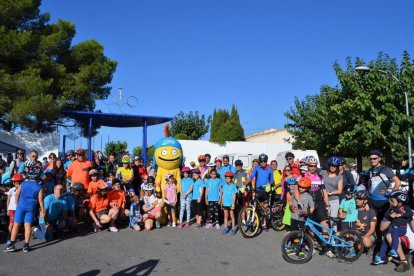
[228, 208]
[133, 223]
[24, 216]
[348, 225]
[334, 203]
[101, 213]
[197, 207]
[320, 213]
[11, 216]
[170, 207]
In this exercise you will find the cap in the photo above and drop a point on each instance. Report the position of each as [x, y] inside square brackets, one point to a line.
[93, 172]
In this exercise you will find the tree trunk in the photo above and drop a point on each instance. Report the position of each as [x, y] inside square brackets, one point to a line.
[359, 163]
[388, 157]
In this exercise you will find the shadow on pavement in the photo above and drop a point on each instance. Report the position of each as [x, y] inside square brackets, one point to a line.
[144, 269]
[91, 273]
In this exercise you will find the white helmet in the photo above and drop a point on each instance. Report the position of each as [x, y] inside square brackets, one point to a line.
[147, 187]
[311, 160]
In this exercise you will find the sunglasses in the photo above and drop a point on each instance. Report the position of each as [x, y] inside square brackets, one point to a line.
[80, 154]
[288, 170]
[376, 158]
[289, 158]
[311, 166]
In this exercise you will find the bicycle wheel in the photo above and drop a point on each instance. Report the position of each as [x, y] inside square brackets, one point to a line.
[277, 223]
[249, 222]
[355, 246]
[297, 247]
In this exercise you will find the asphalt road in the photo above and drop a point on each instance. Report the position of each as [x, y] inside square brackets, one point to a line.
[172, 251]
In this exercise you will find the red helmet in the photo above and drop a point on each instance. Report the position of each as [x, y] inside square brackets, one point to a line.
[17, 178]
[80, 151]
[229, 174]
[185, 169]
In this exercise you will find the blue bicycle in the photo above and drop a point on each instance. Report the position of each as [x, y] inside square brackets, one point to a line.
[298, 246]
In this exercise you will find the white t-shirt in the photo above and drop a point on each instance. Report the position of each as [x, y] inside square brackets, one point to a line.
[12, 194]
[410, 236]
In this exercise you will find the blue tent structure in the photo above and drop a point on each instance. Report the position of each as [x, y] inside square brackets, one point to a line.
[99, 119]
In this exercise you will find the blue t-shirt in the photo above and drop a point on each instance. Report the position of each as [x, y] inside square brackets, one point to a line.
[49, 186]
[21, 168]
[263, 175]
[349, 206]
[55, 207]
[213, 186]
[66, 167]
[29, 192]
[186, 185]
[70, 202]
[228, 190]
[135, 211]
[199, 184]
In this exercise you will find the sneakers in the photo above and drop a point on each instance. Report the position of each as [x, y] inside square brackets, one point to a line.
[209, 226]
[217, 226]
[393, 253]
[233, 231]
[168, 224]
[10, 248]
[180, 226]
[378, 260]
[187, 225]
[96, 228]
[330, 254]
[226, 230]
[174, 225]
[26, 248]
[113, 229]
[403, 266]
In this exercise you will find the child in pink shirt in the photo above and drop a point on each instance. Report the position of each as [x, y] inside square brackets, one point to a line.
[170, 192]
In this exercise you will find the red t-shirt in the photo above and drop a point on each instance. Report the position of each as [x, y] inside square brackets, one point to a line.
[98, 203]
[118, 197]
[79, 172]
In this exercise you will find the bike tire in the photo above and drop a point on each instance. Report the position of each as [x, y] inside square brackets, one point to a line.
[358, 246]
[292, 237]
[253, 227]
[277, 224]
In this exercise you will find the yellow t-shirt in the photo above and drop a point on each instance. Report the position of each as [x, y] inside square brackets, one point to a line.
[125, 175]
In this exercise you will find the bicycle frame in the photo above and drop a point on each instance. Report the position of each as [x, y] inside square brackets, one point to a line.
[310, 224]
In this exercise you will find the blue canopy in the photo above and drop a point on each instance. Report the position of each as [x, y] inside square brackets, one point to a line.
[99, 119]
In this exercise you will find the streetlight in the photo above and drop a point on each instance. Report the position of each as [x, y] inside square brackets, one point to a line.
[407, 112]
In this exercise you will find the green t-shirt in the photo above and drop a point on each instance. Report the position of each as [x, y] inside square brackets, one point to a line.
[349, 206]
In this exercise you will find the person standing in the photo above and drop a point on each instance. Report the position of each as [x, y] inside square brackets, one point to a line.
[79, 169]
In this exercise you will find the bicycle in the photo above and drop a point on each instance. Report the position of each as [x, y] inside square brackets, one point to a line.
[298, 247]
[253, 214]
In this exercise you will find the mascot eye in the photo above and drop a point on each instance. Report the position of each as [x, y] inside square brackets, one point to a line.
[174, 152]
[164, 152]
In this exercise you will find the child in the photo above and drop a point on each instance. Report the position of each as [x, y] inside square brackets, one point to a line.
[111, 177]
[298, 221]
[186, 195]
[117, 199]
[170, 192]
[213, 190]
[149, 207]
[196, 204]
[135, 214]
[348, 210]
[59, 174]
[94, 182]
[17, 179]
[157, 211]
[399, 215]
[228, 201]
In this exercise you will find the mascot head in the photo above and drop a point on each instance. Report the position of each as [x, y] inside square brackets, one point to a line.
[168, 152]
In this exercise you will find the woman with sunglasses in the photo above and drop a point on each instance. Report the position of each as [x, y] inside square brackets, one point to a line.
[52, 164]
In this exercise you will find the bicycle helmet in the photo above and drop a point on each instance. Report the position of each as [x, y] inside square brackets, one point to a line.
[342, 161]
[311, 160]
[304, 160]
[29, 163]
[80, 151]
[350, 189]
[167, 176]
[147, 187]
[291, 181]
[34, 172]
[211, 164]
[229, 174]
[93, 172]
[304, 182]
[399, 196]
[238, 162]
[17, 178]
[218, 160]
[125, 159]
[70, 152]
[48, 172]
[352, 165]
[263, 158]
[201, 158]
[185, 169]
[99, 155]
[364, 194]
[77, 186]
[304, 168]
[197, 171]
[289, 155]
[333, 160]
[151, 179]
[375, 152]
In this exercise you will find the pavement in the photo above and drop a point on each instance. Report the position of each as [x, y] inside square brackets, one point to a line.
[173, 251]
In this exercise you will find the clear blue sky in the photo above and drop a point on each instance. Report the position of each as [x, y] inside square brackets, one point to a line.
[199, 55]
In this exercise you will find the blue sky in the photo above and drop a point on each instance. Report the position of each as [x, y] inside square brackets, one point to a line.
[199, 55]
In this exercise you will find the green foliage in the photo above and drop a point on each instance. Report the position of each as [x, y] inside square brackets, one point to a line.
[42, 73]
[226, 126]
[364, 111]
[117, 147]
[138, 150]
[189, 126]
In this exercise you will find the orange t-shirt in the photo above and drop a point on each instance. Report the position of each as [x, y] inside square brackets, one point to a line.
[98, 203]
[79, 172]
[117, 196]
[93, 186]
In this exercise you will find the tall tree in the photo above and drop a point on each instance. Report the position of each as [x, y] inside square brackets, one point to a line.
[364, 111]
[42, 73]
[227, 126]
[189, 126]
[117, 147]
[138, 150]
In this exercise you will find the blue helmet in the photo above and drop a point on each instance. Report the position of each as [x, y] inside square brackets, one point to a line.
[34, 172]
[335, 161]
[375, 152]
[399, 196]
[291, 181]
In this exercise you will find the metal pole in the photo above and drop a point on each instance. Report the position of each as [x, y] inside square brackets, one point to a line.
[90, 140]
[407, 111]
[144, 143]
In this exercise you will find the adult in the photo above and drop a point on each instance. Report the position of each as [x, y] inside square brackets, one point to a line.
[112, 165]
[290, 160]
[333, 182]
[353, 170]
[79, 169]
[219, 165]
[56, 212]
[240, 180]
[367, 219]
[70, 157]
[277, 176]
[150, 168]
[15, 164]
[125, 173]
[31, 160]
[227, 167]
[380, 178]
[75, 205]
[52, 163]
[28, 197]
[100, 211]
[263, 176]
